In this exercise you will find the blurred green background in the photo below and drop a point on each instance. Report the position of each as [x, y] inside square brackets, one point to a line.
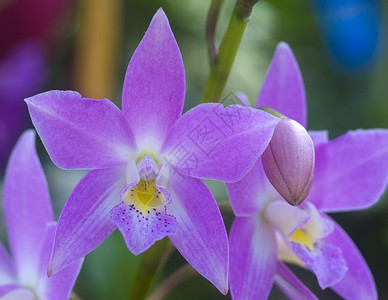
[94, 40]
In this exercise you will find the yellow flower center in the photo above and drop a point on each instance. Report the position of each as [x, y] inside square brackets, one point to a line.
[145, 196]
[300, 237]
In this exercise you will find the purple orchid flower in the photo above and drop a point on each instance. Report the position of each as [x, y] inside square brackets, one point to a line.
[147, 161]
[31, 230]
[351, 173]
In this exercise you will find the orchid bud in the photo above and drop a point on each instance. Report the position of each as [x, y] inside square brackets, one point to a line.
[289, 161]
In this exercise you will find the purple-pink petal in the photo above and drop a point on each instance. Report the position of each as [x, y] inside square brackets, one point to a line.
[351, 171]
[200, 235]
[141, 230]
[154, 86]
[60, 285]
[250, 194]
[85, 220]
[13, 292]
[81, 133]
[253, 258]
[319, 137]
[7, 272]
[283, 88]
[291, 285]
[358, 283]
[210, 141]
[27, 206]
[6, 288]
[325, 260]
[242, 99]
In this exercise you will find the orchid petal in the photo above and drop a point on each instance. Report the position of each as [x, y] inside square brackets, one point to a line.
[72, 128]
[325, 260]
[358, 281]
[7, 288]
[291, 285]
[251, 193]
[241, 98]
[283, 88]
[200, 235]
[85, 220]
[252, 258]
[351, 171]
[14, 292]
[27, 206]
[154, 86]
[6, 271]
[214, 142]
[319, 137]
[60, 285]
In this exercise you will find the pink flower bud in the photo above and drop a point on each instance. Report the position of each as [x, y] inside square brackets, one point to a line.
[289, 161]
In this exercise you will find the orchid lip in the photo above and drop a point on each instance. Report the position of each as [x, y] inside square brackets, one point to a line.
[144, 194]
[142, 215]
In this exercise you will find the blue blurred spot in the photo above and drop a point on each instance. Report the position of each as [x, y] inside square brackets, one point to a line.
[351, 29]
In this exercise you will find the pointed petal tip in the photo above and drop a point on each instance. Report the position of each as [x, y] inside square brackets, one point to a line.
[283, 46]
[224, 289]
[27, 100]
[28, 135]
[283, 87]
[159, 17]
[284, 50]
[160, 12]
[222, 284]
[55, 265]
[51, 270]
[54, 92]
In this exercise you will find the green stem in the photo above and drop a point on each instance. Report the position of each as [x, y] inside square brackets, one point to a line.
[152, 262]
[175, 279]
[211, 26]
[220, 70]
